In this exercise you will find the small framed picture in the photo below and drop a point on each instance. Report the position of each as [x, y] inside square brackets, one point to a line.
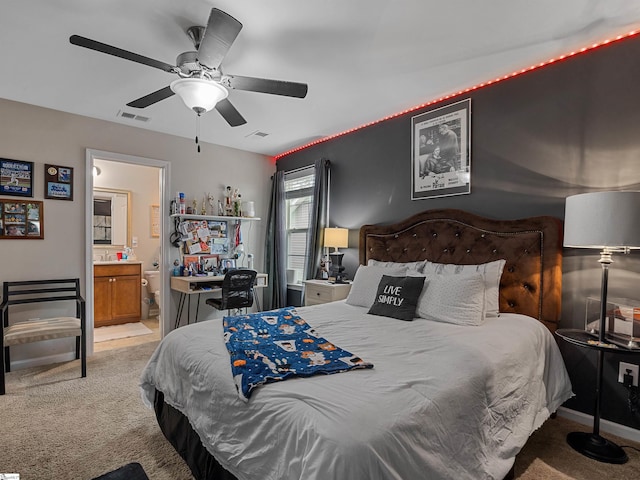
[155, 221]
[21, 220]
[192, 263]
[16, 178]
[58, 182]
[227, 264]
[209, 263]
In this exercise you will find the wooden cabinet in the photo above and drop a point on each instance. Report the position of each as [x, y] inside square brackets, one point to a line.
[116, 293]
[321, 291]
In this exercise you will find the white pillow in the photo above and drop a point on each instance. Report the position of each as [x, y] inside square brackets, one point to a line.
[458, 299]
[365, 284]
[410, 266]
[491, 272]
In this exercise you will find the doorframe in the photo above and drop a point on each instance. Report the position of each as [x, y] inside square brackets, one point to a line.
[165, 176]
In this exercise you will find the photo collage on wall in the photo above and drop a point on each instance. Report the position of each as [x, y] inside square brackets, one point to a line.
[204, 242]
[21, 219]
[24, 219]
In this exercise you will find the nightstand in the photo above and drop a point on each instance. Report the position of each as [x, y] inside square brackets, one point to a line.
[321, 291]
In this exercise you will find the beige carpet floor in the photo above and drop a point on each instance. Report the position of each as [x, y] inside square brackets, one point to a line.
[54, 424]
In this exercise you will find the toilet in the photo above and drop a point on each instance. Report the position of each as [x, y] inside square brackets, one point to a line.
[153, 287]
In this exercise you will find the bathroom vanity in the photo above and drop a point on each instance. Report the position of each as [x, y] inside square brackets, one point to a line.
[116, 292]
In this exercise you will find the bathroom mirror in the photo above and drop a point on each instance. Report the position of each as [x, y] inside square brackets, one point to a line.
[111, 217]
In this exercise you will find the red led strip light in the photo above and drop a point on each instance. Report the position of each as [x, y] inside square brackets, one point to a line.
[462, 92]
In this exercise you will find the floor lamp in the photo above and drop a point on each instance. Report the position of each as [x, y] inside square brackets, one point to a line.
[337, 238]
[607, 221]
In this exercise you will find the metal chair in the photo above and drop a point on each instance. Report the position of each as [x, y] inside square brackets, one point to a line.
[37, 330]
[237, 290]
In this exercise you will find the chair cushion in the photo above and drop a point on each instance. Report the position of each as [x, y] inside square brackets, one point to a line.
[42, 329]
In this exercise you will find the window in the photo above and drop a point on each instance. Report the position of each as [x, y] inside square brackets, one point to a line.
[298, 187]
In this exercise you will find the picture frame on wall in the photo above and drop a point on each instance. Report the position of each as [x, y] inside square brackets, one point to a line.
[441, 152]
[58, 182]
[16, 178]
[155, 221]
[20, 220]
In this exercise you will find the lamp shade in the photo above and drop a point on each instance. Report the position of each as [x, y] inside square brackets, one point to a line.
[199, 94]
[336, 237]
[602, 220]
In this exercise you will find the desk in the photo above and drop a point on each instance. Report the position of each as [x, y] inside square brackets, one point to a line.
[188, 286]
[592, 445]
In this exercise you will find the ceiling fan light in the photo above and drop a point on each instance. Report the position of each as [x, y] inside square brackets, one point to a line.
[199, 94]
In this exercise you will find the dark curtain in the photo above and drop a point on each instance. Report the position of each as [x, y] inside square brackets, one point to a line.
[318, 217]
[275, 247]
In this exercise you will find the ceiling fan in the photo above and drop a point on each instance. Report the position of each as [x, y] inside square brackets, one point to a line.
[202, 84]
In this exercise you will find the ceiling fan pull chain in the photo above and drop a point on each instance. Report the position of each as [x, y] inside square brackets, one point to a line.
[198, 131]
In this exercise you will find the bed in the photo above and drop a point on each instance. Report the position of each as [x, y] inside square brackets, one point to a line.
[444, 399]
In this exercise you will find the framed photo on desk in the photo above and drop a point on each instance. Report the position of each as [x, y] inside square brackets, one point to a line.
[227, 264]
[209, 263]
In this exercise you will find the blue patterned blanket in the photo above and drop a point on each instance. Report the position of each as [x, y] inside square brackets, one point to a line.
[272, 346]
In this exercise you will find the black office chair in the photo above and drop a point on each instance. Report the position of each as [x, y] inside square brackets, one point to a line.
[237, 290]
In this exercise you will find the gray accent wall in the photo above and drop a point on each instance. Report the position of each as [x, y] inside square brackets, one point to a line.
[567, 128]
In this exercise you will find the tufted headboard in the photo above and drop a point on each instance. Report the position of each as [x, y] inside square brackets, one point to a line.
[531, 282]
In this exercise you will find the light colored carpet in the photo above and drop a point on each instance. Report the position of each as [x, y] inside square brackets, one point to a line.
[547, 456]
[54, 424]
[114, 332]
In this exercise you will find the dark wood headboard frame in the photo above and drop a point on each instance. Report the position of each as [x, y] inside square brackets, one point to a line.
[531, 282]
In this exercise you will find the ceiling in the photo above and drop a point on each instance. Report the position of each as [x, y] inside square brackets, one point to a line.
[362, 59]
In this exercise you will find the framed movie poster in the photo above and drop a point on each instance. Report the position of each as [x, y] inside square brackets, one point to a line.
[21, 220]
[441, 152]
[58, 182]
[16, 178]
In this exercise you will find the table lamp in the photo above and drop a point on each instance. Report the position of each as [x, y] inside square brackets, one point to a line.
[337, 238]
[607, 221]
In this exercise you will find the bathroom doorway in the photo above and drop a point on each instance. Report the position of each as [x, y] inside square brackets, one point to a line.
[138, 224]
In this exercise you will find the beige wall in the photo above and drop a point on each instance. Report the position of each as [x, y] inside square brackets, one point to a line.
[47, 136]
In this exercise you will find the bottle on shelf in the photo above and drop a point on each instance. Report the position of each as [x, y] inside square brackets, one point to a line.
[183, 203]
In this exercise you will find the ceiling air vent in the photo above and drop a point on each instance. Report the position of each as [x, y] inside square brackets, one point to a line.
[133, 116]
[257, 133]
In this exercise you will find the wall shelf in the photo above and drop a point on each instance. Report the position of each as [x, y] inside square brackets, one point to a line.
[189, 216]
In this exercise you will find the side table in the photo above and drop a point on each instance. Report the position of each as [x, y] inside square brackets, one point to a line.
[592, 445]
[321, 291]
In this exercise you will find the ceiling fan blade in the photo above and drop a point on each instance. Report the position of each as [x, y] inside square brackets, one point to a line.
[263, 85]
[221, 31]
[152, 98]
[229, 113]
[118, 52]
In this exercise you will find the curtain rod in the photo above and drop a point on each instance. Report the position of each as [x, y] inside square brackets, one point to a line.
[299, 169]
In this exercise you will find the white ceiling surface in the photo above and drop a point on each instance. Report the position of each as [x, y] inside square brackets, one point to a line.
[362, 59]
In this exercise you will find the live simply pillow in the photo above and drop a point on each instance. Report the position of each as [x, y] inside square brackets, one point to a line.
[397, 297]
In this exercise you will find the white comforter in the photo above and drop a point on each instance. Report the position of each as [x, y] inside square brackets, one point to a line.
[442, 402]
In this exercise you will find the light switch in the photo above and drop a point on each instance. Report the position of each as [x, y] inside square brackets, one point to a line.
[134, 241]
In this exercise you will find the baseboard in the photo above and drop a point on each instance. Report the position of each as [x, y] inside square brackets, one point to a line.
[38, 361]
[622, 431]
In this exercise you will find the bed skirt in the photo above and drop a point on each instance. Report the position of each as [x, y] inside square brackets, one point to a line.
[177, 429]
